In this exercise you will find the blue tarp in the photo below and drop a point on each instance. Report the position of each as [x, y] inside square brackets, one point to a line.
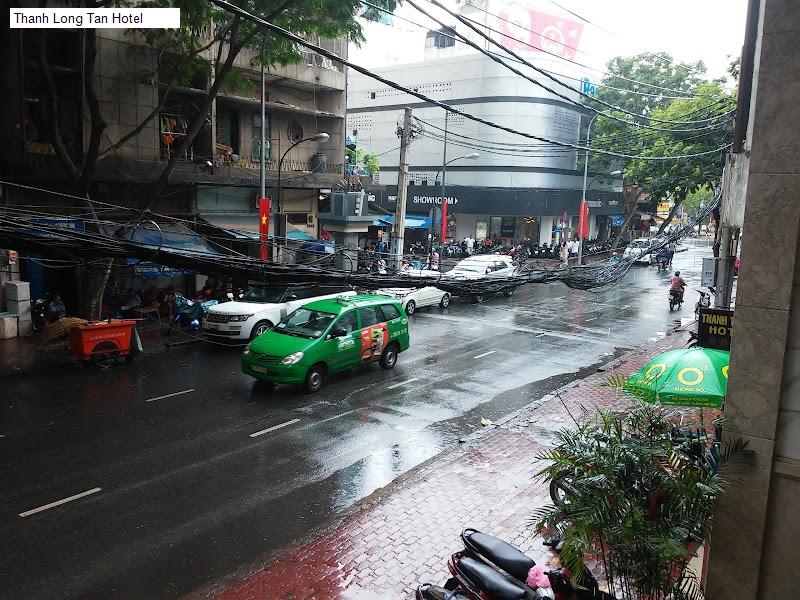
[172, 236]
[412, 221]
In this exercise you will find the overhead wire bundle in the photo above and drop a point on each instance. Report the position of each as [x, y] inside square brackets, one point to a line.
[19, 229]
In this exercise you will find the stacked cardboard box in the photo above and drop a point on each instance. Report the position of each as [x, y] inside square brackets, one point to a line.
[18, 301]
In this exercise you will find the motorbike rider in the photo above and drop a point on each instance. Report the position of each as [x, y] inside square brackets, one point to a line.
[662, 258]
[676, 284]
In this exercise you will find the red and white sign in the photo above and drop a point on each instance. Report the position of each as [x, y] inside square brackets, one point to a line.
[529, 30]
[583, 221]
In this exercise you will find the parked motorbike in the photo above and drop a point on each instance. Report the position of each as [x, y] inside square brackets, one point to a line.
[189, 312]
[704, 301]
[378, 266]
[489, 568]
[39, 312]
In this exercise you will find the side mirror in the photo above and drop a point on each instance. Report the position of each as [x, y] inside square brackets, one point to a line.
[338, 331]
[292, 297]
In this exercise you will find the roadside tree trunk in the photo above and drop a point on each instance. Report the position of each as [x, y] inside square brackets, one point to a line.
[631, 195]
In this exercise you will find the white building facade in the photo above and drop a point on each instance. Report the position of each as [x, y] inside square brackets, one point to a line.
[519, 188]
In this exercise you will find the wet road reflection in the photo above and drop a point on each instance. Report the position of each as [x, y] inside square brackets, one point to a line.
[188, 495]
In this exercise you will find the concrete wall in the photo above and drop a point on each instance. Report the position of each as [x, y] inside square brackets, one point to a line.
[754, 549]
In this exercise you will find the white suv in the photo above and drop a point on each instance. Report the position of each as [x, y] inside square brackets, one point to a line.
[261, 308]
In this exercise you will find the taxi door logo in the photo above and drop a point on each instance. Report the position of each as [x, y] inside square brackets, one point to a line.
[373, 341]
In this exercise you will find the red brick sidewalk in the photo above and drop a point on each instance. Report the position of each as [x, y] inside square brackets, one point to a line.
[399, 538]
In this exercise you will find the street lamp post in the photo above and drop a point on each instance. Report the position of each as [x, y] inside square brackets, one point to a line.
[279, 225]
[443, 171]
[586, 214]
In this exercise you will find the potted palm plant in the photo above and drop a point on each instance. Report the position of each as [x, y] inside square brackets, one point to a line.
[636, 493]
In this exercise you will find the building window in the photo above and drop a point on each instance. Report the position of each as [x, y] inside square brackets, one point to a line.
[228, 131]
[443, 38]
[255, 152]
[299, 219]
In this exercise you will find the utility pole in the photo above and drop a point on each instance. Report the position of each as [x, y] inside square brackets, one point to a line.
[262, 176]
[583, 197]
[444, 176]
[728, 247]
[398, 232]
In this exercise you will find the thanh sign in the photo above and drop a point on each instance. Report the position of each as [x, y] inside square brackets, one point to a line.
[714, 328]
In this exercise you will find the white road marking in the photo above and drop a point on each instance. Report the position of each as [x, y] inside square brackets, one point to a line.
[475, 327]
[592, 319]
[485, 354]
[170, 395]
[396, 385]
[273, 428]
[33, 511]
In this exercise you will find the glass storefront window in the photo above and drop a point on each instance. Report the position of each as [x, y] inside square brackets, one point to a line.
[495, 226]
[481, 230]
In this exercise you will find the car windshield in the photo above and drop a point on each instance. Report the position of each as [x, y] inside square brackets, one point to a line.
[469, 265]
[305, 323]
[263, 294]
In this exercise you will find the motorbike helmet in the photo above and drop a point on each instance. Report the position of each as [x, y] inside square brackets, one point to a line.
[677, 273]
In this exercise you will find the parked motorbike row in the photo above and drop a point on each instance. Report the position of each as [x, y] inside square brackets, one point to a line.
[489, 568]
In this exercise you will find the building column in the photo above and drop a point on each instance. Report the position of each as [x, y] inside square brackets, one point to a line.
[754, 552]
[545, 230]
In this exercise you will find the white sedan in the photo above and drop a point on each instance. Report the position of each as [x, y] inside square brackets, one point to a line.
[412, 299]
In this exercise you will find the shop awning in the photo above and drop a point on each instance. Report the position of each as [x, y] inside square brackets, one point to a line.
[246, 227]
[412, 221]
[239, 226]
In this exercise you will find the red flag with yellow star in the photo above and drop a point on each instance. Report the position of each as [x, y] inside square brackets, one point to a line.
[263, 226]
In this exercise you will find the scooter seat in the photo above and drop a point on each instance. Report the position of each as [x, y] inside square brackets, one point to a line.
[500, 553]
[489, 581]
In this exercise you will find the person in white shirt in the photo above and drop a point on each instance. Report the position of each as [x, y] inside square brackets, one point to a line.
[470, 244]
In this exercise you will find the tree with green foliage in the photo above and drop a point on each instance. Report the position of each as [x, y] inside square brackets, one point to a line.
[677, 112]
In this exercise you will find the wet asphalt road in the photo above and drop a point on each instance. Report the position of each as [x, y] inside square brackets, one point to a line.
[188, 495]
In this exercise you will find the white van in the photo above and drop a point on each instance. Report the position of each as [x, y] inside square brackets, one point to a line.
[261, 308]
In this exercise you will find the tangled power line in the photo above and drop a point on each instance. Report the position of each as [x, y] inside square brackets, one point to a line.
[23, 230]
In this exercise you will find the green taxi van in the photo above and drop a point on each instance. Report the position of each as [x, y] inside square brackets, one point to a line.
[328, 336]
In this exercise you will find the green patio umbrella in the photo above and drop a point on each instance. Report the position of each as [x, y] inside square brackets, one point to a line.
[685, 377]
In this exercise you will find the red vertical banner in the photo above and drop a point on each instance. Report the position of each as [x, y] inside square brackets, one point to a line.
[263, 226]
[444, 221]
[583, 221]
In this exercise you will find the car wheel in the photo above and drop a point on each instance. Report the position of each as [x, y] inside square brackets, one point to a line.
[259, 328]
[315, 378]
[477, 299]
[508, 293]
[389, 357]
[445, 301]
[411, 307]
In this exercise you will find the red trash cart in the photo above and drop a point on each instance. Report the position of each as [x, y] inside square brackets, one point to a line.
[102, 342]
